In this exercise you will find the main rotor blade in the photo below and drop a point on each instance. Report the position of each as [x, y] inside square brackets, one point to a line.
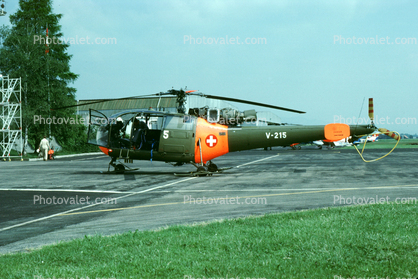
[191, 92]
[107, 100]
[251, 103]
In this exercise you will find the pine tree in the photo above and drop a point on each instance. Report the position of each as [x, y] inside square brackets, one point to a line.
[43, 64]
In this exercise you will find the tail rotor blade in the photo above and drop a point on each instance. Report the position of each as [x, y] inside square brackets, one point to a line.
[371, 110]
[389, 133]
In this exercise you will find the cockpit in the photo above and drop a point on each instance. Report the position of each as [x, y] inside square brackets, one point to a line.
[136, 129]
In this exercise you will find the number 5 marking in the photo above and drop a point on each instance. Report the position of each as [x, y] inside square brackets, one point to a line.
[165, 134]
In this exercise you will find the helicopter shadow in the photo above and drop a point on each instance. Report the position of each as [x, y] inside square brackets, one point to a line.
[128, 173]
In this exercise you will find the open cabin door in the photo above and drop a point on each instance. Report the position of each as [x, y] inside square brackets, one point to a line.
[98, 129]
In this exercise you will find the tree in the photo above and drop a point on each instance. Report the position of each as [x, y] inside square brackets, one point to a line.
[31, 50]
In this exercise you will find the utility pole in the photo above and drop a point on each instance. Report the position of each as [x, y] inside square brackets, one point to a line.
[47, 73]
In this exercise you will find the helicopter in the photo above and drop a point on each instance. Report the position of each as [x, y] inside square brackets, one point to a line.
[202, 134]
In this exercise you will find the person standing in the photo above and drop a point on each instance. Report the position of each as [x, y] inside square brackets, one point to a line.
[44, 148]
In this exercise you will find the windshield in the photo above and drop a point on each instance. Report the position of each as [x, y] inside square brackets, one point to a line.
[98, 132]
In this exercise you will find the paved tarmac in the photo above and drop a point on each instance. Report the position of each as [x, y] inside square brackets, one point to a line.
[47, 202]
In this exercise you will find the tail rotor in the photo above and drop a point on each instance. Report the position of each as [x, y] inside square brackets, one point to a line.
[392, 134]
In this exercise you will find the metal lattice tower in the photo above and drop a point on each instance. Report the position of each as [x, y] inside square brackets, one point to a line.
[11, 117]
[2, 7]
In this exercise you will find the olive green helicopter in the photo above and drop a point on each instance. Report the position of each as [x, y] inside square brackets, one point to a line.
[202, 134]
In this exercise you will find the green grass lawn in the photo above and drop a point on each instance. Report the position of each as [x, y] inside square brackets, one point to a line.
[345, 242]
[389, 144]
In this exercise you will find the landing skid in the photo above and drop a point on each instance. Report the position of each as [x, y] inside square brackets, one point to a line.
[119, 167]
[194, 174]
[118, 172]
[203, 170]
[200, 173]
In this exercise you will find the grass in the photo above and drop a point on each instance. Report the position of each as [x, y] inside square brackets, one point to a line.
[357, 241]
[387, 144]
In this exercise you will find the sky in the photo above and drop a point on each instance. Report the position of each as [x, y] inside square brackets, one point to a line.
[323, 57]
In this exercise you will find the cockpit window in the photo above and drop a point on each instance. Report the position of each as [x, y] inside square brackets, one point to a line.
[185, 122]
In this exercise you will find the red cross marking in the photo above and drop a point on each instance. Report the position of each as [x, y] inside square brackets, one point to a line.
[211, 141]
